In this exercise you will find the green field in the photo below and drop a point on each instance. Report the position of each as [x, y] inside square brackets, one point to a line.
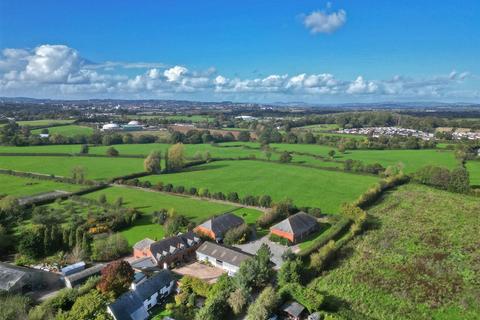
[67, 131]
[62, 148]
[420, 260]
[319, 127]
[412, 159]
[474, 171]
[21, 187]
[96, 168]
[147, 202]
[45, 122]
[306, 187]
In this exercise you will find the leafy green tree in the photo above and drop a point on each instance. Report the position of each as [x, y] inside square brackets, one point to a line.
[264, 305]
[91, 306]
[237, 300]
[14, 307]
[112, 152]
[290, 272]
[459, 181]
[84, 149]
[112, 247]
[285, 157]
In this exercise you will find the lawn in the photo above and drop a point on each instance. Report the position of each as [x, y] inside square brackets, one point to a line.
[419, 260]
[67, 131]
[44, 122]
[474, 171]
[96, 168]
[411, 159]
[21, 187]
[62, 148]
[306, 187]
[148, 202]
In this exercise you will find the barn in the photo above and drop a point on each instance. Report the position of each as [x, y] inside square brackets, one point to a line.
[296, 227]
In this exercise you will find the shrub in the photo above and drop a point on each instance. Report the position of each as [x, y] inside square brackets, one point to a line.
[112, 247]
[264, 305]
[237, 235]
[112, 152]
[321, 258]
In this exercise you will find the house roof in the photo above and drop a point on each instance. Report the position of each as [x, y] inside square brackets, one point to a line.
[293, 308]
[143, 244]
[297, 224]
[85, 273]
[143, 263]
[130, 305]
[159, 280]
[229, 255]
[172, 245]
[221, 224]
[10, 275]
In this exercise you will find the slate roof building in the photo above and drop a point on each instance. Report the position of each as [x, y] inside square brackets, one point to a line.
[228, 259]
[16, 279]
[135, 304]
[296, 227]
[80, 277]
[293, 310]
[13, 279]
[166, 252]
[216, 227]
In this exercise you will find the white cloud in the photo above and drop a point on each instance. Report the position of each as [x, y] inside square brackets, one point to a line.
[324, 22]
[360, 86]
[60, 71]
[175, 73]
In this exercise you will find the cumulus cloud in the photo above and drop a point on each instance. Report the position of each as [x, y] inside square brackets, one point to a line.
[323, 22]
[175, 73]
[60, 71]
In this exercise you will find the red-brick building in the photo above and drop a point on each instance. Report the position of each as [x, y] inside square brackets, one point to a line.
[216, 227]
[168, 251]
[296, 227]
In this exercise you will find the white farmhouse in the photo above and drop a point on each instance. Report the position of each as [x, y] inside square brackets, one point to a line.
[135, 304]
[228, 259]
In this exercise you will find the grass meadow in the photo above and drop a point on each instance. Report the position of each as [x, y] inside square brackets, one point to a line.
[21, 187]
[95, 168]
[418, 260]
[474, 171]
[67, 131]
[44, 122]
[148, 202]
[306, 187]
[411, 159]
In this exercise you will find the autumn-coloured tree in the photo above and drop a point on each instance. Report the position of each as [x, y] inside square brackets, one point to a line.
[116, 278]
[176, 157]
[152, 162]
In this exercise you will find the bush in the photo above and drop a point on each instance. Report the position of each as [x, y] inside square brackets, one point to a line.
[110, 248]
[264, 305]
[112, 152]
[237, 235]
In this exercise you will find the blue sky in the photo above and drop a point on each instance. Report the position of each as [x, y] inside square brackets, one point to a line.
[243, 50]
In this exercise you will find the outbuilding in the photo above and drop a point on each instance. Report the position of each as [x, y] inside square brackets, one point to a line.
[296, 227]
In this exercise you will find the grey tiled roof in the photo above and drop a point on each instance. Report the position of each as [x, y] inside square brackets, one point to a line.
[225, 254]
[143, 244]
[172, 245]
[127, 305]
[221, 224]
[293, 308]
[130, 305]
[86, 273]
[147, 288]
[298, 223]
[10, 275]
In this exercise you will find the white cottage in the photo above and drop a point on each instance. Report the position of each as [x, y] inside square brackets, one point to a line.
[135, 304]
[228, 259]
